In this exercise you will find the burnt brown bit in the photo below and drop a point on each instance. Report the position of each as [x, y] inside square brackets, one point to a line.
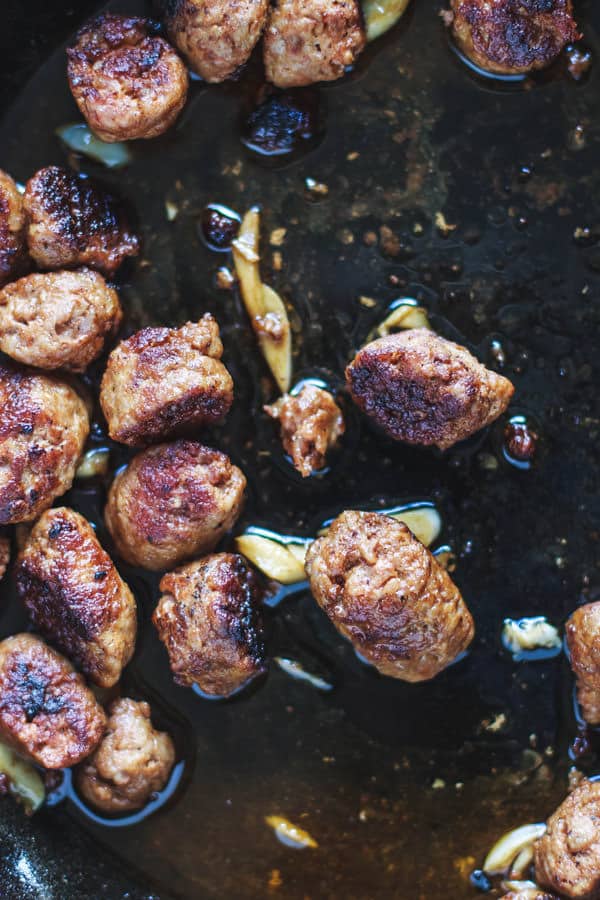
[47, 713]
[387, 594]
[521, 441]
[311, 424]
[131, 763]
[567, 857]
[579, 62]
[14, 259]
[58, 320]
[422, 389]
[43, 429]
[72, 221]
[219, 227]
[4, 553]
[583, 641]
[173, 502]
[307, 42]
[75, 597]
[513, 36]
[210, 621]
[283, 122]
[215, 36]
[127, 81]
[163, 382]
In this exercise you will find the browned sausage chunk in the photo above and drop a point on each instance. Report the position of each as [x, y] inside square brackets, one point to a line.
[215, 36]
[58, 320]
[75, 596]
[312, 40]
[14, 260]
[422, 389]
[131, 762]
[311, 423]
[209, 620]
[512, 36]
[128, 82]
[162, 382]
[528, 894]
[47, 713]
[172, 502]
[43, 428]
[583, 639]
[72, 221]
[567, 857]
[4, 554]
[389, 596]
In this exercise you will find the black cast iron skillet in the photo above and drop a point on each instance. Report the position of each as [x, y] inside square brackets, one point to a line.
[515, 168]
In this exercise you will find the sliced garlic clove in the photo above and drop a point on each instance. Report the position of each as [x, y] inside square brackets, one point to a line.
[530, 633]
[425, 522]
[290, 834]
[94, 463]
[296, 670]
[265, 307]
[404, 316]
[275, 559]
[507, 849]
[81, 139]
[24, 782]
[381, 15]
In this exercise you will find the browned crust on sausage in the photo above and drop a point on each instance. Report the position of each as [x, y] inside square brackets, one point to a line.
[46, 712]
[73, 221]
[311, 423]
[583, 640]
[58, 320]
[14, 260]
[163, 382]
[387, 594]
[307, 41]
[513, 36]
[75, 596]
[422, 389]
[43, 429]
[567, 857]
[209, 620]
[132, 761]
[127, 81]
[215, 36]
[173, 502]
[4, 554]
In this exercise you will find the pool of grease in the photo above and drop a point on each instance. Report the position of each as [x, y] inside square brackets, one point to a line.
[481, 204]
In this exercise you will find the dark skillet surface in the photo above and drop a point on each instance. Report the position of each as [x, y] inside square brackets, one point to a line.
[356, 766]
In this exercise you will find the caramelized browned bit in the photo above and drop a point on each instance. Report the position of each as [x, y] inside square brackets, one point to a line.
[72, 221]
[162, 382]
[284, 122]
[583, 640]
[512, 36]
[567, 857]
[520, 441]
[215, 36]
[210, 622]
[14, 260]
[219, 227]
[75, 596]
[388, 595]
[43, 429]
[58, 320]
[127, 81]
[311, 423]
[173, 502]
[4, 554]
[307, 42]
[579, 61]
[132, 761]
[47, 714]
[423, 389]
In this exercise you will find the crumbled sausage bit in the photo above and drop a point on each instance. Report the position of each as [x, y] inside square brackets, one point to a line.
[422, 389]
[47, 714]
[520, 441]
[512, 36]
[132, 762]
[126, 80]
[567, 857]
[210, 621]
[311, 423]
[387, 594]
